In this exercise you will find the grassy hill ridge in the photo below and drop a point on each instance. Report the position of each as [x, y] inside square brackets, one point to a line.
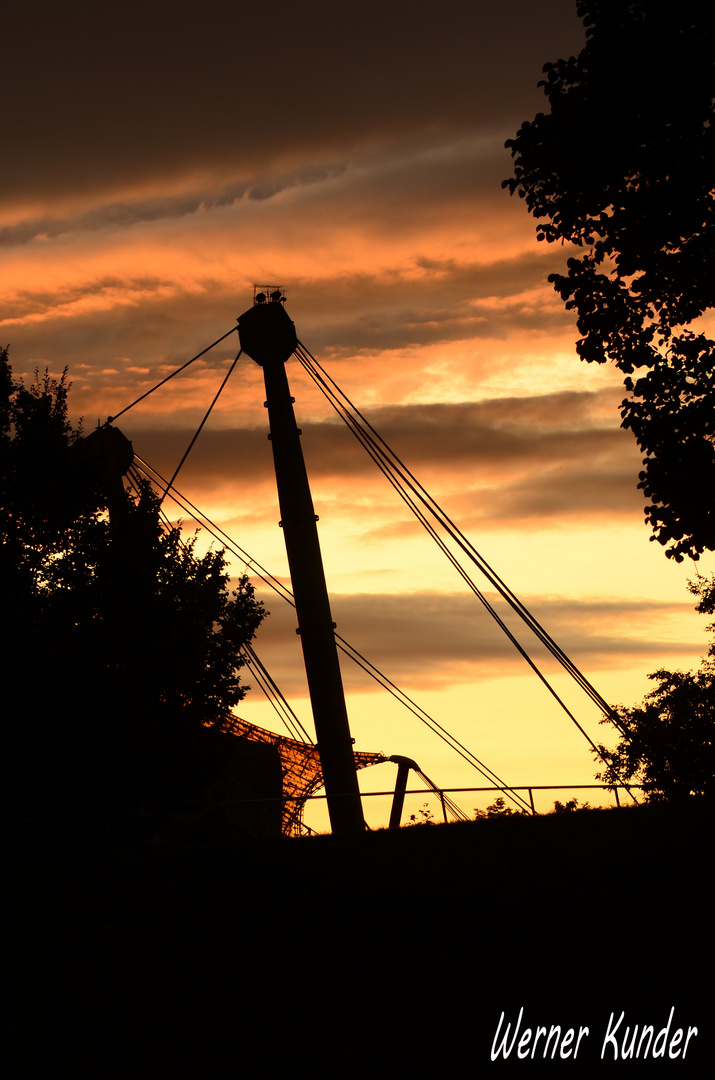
[418, 938]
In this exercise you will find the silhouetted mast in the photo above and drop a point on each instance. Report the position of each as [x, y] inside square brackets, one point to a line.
[268, 337]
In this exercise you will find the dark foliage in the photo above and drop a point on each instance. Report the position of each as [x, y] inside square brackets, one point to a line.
[623, 168]
[499, 808]
[424, 816]
[120, 644]
[571, 806]
[669, 746]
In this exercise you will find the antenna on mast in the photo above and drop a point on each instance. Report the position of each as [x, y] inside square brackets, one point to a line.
[268, 294]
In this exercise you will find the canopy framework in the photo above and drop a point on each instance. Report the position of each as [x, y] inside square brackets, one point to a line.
[302, 771]
[268, 307]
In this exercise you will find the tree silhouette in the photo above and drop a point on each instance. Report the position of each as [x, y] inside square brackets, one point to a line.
[499, 808]
[121, 645]
[669, 746]
[622, 169]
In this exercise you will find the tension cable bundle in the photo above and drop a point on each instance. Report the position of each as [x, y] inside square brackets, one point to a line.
[436, 523]
[430, 515]
[269, 687]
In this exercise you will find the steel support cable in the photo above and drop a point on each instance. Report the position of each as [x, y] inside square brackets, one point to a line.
[251, 659]
[444, 798]
[227, 376]
[370, 669]
[456, 534]
[384, 467]
[361, 427]
[443, 795]
[136, 479]
[387, 468]
[223, 538]
[266, 688]
[275, 702]
[424, 497]
[277, 586]
[375, 673]
[393, 462]
[381, 448]
[283, 709]
[111, 419]
[487, 605]
[426, 719]
[281, 590]
[494, 578]
[494, 614]
[402, 486]
[450, 805]
[295, 727]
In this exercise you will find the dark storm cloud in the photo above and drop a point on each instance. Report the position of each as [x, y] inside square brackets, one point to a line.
[386, 194]
[102, 97]
[573, 489]
[383, 192]
[499, 431]
[140, 211]
[117, 215]
[472, 434]
[426, 639]
[146, 320]
[413, 327]
[455, 628]
[512, 457]
[155, 319]
[55, 303]
[452, 302]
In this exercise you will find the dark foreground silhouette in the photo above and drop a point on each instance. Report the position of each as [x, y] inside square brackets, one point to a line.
[390, 950]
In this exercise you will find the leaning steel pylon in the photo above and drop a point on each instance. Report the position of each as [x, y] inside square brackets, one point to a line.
[268, 337]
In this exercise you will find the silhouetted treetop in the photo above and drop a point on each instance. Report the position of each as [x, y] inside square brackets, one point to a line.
[121, 643]
[669, 740]
[623, 169]
[670, 745]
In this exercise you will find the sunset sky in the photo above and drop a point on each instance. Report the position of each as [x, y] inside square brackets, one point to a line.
[161, 159]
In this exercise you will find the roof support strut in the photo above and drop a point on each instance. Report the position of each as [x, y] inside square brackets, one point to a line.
[268, 336]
